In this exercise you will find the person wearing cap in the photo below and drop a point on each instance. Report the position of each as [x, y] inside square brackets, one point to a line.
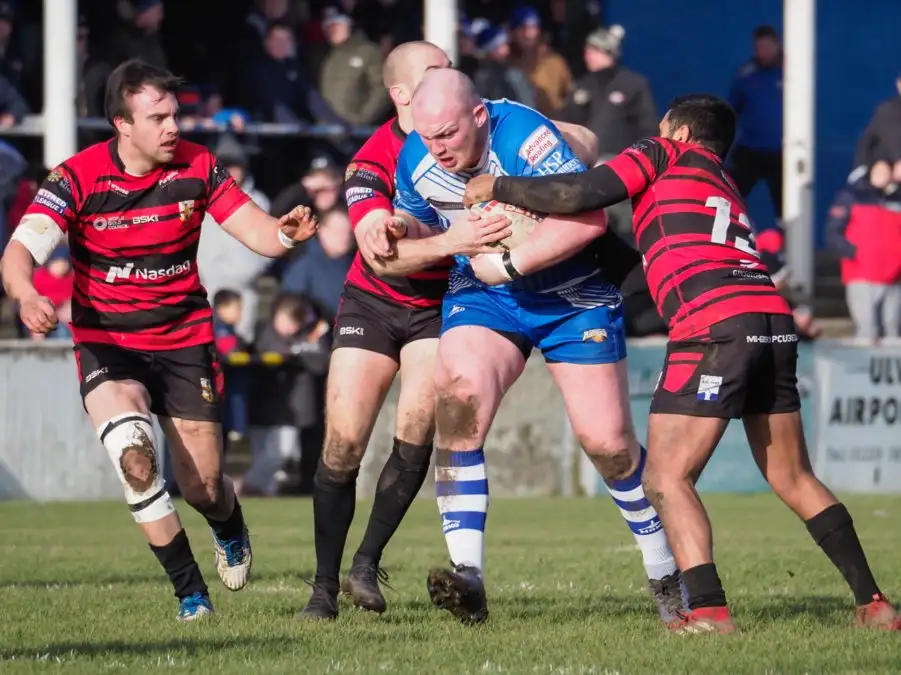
[139, 37]
[495, 78]
[614, 102]
[882, 137]
[756, 97]
[351, 78]
[545, 68]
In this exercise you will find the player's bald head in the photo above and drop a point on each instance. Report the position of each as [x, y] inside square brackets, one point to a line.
[451, 119]
[444, 90]
[407, 62]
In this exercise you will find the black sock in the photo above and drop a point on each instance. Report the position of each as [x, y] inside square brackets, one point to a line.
[704, 587]
[178, 561]
[399, 483]
[334, 501]
[833, 531]
[230, 528]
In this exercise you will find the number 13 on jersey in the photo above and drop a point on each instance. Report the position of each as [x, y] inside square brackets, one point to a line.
[721, 222]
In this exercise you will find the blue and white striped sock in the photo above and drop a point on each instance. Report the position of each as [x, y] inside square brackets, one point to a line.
[461, 485]
[644, 522]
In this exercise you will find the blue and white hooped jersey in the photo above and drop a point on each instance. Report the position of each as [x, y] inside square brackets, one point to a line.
[521, 142]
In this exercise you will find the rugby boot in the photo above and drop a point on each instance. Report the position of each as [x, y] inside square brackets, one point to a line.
[361, 586]
[671, 597]
[193, 607]
[460, 591]
[323, 604]
[705, 620]
[878, 615]
[233, 560]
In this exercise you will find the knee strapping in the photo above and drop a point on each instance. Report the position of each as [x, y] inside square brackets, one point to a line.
[128, 439]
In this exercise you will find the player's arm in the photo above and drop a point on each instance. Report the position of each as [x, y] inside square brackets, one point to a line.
[236, 213]
[624, 176]
[41, 230]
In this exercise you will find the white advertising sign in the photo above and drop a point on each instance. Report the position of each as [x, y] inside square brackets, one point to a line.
[858, 420]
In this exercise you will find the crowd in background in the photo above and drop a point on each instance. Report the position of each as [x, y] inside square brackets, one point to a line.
[289, 61]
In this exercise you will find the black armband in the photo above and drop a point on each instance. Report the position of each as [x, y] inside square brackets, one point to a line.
[509, 266]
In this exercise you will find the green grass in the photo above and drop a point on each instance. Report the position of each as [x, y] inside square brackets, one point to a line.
[80, 592]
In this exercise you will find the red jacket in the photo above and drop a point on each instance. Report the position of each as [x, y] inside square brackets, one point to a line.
[865, 230]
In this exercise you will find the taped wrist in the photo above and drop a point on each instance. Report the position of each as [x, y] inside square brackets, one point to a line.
[128, 439]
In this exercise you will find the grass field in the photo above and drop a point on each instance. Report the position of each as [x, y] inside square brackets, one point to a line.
[80, 592]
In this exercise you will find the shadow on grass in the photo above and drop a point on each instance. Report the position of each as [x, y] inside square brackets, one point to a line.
[827, 608]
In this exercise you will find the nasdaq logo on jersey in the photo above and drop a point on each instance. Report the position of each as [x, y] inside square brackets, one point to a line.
[538, 145]
[125, 272]
[709, 387]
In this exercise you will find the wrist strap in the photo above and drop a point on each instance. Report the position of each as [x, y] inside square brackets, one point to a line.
[510, 268]
[285, 240]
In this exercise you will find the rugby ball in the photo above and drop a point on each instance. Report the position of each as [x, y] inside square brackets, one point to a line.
[522, 222]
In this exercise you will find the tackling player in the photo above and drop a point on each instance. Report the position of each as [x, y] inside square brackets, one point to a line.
[569, 311]
[732, 352]
[132, 208]
[385, 325]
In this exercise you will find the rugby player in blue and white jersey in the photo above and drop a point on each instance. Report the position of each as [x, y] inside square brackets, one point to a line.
[556, 299]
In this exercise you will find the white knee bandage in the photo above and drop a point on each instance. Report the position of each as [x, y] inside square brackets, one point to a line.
[128, 438]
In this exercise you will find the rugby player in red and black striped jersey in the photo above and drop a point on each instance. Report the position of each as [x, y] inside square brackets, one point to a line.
[732, 351]
[385, 324]
[132, 209]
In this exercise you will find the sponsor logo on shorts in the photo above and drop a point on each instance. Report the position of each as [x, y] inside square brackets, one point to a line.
[206, 390]
[95, 373]
[358, 194]
[595, 335]
[538, 145]
[449, 525]
[709, 387]
[352, 330]
[772, 339]
[456, 309]
[51, 201]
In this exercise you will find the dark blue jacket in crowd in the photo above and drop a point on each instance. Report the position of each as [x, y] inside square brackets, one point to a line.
[278, 91]
[756, 96]
[317, 276]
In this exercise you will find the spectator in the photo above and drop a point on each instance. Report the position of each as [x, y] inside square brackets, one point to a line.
[92, 75]
[351, 79]
[545, 68]
[882, 137]
[756, 97]
[495, 77]
[319, 271]
[257, 24]
[223, 262]
[13, 107]
[139, 37]
[20, 54]
[864, 229]
[392, 22]
[285, 397]
[467, 58]
[614, 102]
[320, 187]
[227, 314]
[277, 89]
[55, 280]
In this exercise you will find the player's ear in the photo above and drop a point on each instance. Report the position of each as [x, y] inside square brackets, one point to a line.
[399, 94]
[682, 134]
[480, 113]
[121, 125]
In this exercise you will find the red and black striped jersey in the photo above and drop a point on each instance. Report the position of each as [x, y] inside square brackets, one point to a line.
[694, 235]
[133, 242]
[369, 185]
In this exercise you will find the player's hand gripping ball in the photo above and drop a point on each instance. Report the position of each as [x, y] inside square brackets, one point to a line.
[522, 222]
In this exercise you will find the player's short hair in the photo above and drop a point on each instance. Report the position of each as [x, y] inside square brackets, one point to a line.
[225, 297]
[710, 120]
[128, 79]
